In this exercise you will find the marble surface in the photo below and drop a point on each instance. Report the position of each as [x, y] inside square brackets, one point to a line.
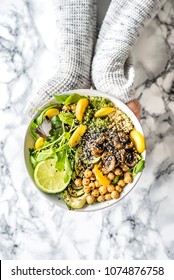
[141, 226]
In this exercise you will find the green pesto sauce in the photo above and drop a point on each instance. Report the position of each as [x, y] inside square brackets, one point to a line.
[95, 104]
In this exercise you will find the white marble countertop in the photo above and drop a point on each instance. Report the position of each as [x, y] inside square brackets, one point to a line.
[139, 227]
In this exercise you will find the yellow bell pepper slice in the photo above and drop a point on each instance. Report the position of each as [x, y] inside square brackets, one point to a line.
[51, 113]
[80, 108]
[77, 135]
[39, 143]
[138, 140]
[103, 180]
[104, 112]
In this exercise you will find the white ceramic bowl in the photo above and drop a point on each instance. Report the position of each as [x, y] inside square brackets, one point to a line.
[29, 143]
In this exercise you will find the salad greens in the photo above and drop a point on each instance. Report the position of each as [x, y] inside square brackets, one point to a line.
[68, 99]
[138, 168]
[66, 118]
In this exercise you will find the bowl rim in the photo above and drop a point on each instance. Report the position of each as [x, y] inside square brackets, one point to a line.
[125, 109]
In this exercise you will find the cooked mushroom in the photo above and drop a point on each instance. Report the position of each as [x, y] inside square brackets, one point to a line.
[131, 158]
[109, 146]
[123, 137]
[120, 139]
[98, 147]
[118, 145]
[96, 152]
[129, 145]
[109, 162]
[121, 155]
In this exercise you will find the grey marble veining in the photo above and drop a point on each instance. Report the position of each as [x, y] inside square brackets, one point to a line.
[139, 227]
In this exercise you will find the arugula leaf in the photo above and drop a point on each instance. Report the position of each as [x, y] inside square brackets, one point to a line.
[55, 134]
[33, 161]
[138, 168]
[39, 119]
[32, 129]
[73, 98]
[61, 160]
[61, 98]
[66, 118]
[67, 135]
[63, 163]
[45, 154]
[56, 122]
[68, 171]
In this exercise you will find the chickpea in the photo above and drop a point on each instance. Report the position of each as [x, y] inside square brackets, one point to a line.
[100, 198]
[92, 178]
[127, 173]
[97, 184]
[128, 179]
[90, 199]
[66, 107]
[87, 189]
[111, 176]
[118, 171]
[118, 189]
[85, 181]
[108, 196]
[124, 167]
[121, 183]
[73, 107]
[103, 190]
[92, 186]
[95, 193]
[78, 182]
[111, 188]
[115, 194]
[88, 173]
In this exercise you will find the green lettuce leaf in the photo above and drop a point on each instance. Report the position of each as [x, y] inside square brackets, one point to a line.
[61, 98]
[61, 156]
[138, 168]
[33, 126]
[33, 161]
[45, 154]
[73, 98]
[56, 122]
[66, 118]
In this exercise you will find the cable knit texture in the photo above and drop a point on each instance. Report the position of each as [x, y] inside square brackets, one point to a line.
[112, 69]
[76, 30]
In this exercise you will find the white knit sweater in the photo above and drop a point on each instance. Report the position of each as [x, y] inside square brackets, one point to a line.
[112, 69]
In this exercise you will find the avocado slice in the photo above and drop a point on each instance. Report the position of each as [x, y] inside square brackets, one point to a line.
[74, 202]
[75, 193]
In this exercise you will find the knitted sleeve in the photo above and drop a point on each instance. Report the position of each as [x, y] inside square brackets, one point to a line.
[112, 69]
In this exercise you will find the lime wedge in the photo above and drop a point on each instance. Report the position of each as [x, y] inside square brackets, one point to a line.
[48, 178]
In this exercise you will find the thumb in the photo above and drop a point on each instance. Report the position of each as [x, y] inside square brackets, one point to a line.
[135, 106]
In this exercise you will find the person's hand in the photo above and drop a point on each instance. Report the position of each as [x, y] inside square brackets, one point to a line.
[135, 106]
